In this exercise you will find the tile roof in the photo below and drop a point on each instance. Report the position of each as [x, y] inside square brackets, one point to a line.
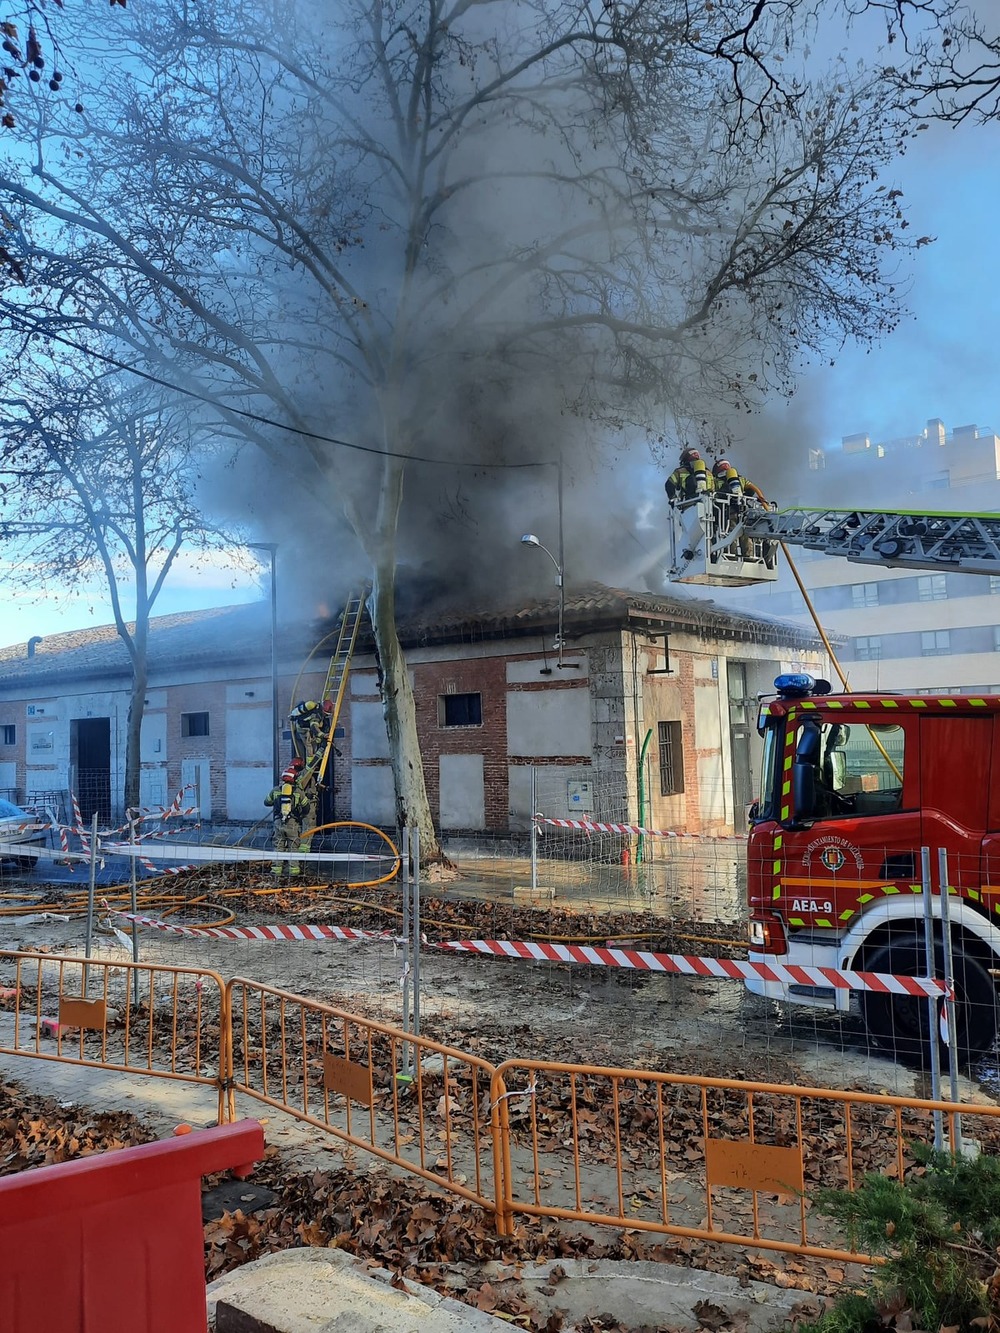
[221, 634]
[591, 605]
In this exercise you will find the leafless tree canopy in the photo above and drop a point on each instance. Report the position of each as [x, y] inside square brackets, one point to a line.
[98, 484]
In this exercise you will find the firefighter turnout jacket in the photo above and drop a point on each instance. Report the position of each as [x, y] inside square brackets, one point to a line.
[287, 801]
[688, 480]
[729, 482]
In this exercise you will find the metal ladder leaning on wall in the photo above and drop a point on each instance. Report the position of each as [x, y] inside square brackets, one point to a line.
[335, 685]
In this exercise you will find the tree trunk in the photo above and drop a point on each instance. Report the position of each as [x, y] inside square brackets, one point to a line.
[133, 753]
[399, 709]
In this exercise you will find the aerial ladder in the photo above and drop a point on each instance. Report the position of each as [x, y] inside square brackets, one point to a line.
[314, 722]
[715, 540]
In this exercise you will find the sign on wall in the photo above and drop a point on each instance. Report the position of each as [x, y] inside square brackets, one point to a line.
[580, 795]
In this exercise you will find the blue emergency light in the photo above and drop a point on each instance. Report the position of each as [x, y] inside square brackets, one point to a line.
[794, 685]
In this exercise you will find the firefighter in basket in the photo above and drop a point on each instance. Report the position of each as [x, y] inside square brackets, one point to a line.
[289, 803]
[689, 479]
[735, 491]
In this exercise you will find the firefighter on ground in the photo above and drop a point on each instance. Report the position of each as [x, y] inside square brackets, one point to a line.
[689, 479]
[289, 803]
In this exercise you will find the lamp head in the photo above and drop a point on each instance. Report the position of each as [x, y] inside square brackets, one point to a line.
[529, 539]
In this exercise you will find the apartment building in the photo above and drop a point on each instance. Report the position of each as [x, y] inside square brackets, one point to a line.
[930, 631]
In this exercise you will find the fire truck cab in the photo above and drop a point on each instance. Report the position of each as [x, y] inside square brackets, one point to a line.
[852, 787]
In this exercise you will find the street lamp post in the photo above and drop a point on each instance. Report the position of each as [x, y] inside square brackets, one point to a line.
[529, 539]
[272, 549]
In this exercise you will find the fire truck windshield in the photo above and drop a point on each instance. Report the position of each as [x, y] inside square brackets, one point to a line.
[767, 804]
[857, 769]
[853, 769]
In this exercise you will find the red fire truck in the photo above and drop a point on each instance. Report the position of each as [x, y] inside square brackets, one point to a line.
[853, 786]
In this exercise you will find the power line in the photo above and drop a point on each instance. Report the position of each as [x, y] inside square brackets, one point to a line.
[261, 420]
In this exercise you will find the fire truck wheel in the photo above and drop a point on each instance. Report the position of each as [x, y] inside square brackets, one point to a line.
[900, 1023]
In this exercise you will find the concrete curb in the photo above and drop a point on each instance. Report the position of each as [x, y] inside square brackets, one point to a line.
[330, 1291]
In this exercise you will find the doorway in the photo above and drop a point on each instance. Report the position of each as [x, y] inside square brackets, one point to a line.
[90, 761]
[740, 734]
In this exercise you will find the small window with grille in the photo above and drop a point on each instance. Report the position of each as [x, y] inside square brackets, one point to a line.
[671, 758]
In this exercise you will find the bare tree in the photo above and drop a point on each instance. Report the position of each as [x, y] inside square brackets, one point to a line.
[436, 229]
[101, 480]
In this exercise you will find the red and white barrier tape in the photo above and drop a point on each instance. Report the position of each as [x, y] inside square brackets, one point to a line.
[675, 964]
[278, 932]
[77, 827]
[688, 966]
[635, 830]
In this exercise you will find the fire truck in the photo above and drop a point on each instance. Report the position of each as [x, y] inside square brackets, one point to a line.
[854, 785]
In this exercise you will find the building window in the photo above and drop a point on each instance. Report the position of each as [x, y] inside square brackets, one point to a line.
[8, 734]
[995, 583]
[864, 594]
[996, 644]
[194, 724]
[868, 648]
[934, 642]
[671, 758]
[460, 710]
[932, 588]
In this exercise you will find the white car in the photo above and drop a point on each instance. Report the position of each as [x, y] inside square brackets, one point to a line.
[19, 827]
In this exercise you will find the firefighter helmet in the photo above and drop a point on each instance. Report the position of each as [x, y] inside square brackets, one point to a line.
[722, 465]
[690, 455]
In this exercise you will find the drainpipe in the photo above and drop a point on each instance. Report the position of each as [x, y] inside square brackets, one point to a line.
[640, 847]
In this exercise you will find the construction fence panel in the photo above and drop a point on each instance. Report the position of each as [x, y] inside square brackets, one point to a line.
[413, 1102]
[721, 1160]
[157, 1020]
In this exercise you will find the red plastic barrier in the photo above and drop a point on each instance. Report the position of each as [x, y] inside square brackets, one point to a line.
[113, 1243]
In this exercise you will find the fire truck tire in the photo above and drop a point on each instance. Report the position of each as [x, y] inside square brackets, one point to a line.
[900, 1023]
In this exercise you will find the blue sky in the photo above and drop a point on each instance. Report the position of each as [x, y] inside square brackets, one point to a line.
[943, 361]
[215, 581]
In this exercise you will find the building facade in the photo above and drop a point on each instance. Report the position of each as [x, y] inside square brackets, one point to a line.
[648, 715]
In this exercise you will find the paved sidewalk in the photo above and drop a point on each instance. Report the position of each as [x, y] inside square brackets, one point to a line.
[323, 1291]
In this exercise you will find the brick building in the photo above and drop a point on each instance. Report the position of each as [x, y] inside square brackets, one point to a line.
[670, 680]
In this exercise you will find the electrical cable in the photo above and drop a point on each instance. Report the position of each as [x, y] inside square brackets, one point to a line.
[260, 420]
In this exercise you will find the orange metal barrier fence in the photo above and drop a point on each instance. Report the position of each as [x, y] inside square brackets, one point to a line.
[168, 1022]
[411, 1101]
[713, 1159]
